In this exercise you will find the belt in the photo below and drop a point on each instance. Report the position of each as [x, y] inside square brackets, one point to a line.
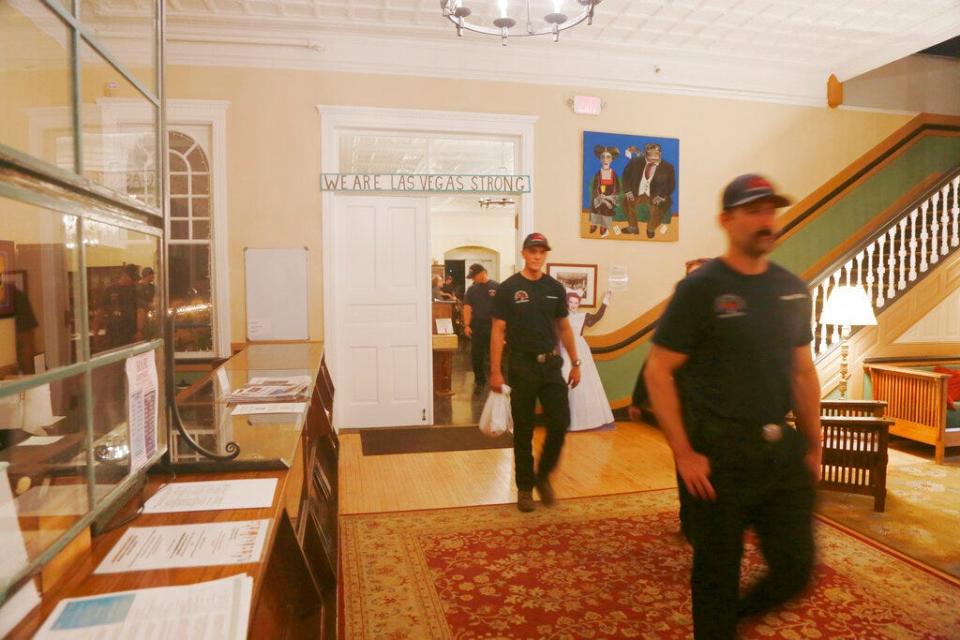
[539, 357]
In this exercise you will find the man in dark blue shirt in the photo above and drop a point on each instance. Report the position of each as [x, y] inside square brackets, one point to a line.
[530, 311]
[731, 357]
[477, 305]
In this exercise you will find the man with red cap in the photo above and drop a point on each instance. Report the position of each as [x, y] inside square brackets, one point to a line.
[730, 359]
[530, 313]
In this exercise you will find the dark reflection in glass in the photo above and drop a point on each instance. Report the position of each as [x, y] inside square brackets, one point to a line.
[122, 286]
[38, 277]
[190, 297]
[42, 439]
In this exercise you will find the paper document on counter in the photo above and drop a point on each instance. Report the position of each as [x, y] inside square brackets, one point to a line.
[213, 495]
[271, 407]
[215, 610]
[271, 388]
[189, 545]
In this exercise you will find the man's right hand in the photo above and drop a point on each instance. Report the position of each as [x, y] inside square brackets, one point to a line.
[636, 415]
[467, 331]
[496, 381]
[694, 470]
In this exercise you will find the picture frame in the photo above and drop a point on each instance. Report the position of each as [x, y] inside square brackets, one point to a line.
[7, 267]
[581, 278]
[630, 187]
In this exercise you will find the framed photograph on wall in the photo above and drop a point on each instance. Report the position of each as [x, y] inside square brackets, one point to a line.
[630, 187]
[581, 278]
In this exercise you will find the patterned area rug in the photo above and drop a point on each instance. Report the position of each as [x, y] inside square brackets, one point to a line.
[922, 515]
[604, 567]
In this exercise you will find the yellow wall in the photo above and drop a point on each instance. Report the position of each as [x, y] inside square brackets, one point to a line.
[273, 157]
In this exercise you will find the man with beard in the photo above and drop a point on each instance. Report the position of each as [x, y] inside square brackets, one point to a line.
[731, 358]
[649, 181]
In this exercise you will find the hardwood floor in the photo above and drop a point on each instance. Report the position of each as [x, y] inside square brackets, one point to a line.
[632, 457]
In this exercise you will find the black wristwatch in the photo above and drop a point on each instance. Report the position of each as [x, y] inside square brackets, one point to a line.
[576, 362]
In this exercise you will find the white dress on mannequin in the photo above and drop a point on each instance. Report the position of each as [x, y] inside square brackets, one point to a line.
[589, 407]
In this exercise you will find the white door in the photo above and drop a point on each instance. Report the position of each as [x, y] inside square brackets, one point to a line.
[382, 280]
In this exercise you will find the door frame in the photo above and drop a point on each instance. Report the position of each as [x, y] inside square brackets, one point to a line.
[335, 119]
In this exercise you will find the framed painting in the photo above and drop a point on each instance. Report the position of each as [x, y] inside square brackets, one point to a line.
[630, 187]
[579, 278]
[6, 278]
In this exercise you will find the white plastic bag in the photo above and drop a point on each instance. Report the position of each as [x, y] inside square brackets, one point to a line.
[496, 419]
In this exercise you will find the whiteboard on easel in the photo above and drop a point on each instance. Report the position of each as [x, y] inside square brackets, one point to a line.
[276, 286]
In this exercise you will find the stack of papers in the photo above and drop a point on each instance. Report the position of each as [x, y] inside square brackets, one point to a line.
[219, 609]
[271, 390]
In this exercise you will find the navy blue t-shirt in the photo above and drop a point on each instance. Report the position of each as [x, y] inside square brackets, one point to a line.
[480, 298]
[530, 309]
[740, 332]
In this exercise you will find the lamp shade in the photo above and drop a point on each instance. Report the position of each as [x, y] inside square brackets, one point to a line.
[848, 306]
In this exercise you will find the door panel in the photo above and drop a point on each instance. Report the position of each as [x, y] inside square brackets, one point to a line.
[383, 313]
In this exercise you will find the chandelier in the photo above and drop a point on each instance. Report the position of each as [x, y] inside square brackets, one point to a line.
[456, 12]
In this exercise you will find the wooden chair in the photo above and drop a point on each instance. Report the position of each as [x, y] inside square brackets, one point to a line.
[855, 440]
[918, 405]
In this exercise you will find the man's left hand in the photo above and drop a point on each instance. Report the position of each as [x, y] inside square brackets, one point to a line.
[574, 378]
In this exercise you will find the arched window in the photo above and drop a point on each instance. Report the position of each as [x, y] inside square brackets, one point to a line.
[190, 242]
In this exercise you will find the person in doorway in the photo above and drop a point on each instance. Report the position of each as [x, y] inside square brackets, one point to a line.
[649, 182]
[117, 314]
[530, 313]
[436, 290]
[147, 320]
[589, 406]
[477, 305]
[730, 358]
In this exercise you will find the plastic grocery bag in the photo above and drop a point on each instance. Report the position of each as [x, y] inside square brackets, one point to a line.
[496, 419]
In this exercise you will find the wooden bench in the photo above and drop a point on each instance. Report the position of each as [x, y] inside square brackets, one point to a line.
[855, 439]
[917, 403]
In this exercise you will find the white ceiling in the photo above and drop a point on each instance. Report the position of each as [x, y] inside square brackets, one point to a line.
[763, 49]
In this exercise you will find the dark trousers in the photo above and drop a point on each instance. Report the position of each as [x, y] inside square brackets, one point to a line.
[531, 380]
[764, 485]
[480, 353]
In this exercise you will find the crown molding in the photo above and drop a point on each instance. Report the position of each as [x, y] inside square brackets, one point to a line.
[568, 63]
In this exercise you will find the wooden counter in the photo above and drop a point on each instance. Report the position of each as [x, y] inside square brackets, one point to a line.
[293, 596]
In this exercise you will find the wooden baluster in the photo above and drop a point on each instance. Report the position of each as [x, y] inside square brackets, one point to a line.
[935, 229]
[814, 294]
[892, 263]
[859, 259]
[923, 237]
[870, 249]
[955, 239]
[847, 269]
[823, 328]
[913, 245]
[835, 336]
[902, 284]
[944, 222]
[881, 270]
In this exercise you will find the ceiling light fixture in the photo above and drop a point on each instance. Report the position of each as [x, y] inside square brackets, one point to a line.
[457, 13]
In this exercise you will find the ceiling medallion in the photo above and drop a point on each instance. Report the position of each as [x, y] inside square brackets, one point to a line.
[457, 13]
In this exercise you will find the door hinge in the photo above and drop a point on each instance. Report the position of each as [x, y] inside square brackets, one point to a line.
[423, 416]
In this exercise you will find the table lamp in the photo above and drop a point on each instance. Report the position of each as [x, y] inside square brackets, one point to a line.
[847, 306]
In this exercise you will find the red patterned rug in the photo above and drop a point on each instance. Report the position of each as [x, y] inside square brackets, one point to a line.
[604, 567]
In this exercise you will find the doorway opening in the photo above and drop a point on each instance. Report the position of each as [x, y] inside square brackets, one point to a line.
[461, 228]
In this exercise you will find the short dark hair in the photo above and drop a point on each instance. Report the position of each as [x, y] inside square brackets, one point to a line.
[132, 270]
[147, 271]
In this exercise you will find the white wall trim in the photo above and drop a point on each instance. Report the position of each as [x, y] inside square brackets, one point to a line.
[334, 119]
[657, 70]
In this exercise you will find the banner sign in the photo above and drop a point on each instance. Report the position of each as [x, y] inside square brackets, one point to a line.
[424, 183]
